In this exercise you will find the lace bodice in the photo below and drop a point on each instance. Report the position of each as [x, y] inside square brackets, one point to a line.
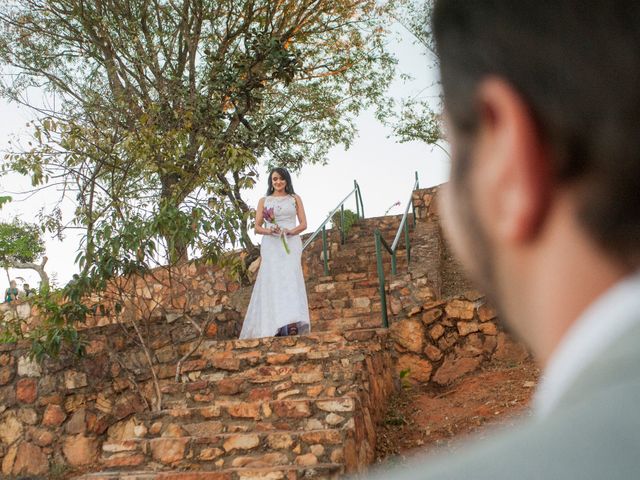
[284, 208]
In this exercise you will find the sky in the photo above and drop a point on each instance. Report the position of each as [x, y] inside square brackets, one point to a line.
[383, 167]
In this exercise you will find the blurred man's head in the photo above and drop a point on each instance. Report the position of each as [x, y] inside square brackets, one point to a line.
[543, 106]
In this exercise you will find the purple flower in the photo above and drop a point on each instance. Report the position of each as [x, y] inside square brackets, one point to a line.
[269, 215]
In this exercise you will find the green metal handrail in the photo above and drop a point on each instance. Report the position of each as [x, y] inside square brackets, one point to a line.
[323, 226]
[392, 249]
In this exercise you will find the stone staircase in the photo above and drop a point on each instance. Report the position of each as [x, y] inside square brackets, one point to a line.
[349, 297]
[293, 407]
[297, 407]
[270, 408]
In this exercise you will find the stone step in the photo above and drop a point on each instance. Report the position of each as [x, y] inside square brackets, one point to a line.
[237, 354]
[384, 221]
[238, 416]
[234, 450]
[252, 352]
[331, 313]
[318, 472]
[355, 281]
[321, 362]
[327, 376]
[357, 232]
[366, 250]
[365, 243]
[356, 261]
[353, 260]
[370, 269]
[325, 292]
[361, 298]
[340, 324]
[317, 394]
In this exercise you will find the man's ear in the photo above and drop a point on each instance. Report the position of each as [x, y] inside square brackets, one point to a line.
[512, 165]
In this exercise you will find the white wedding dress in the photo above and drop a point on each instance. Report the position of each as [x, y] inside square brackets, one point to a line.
[279, 296]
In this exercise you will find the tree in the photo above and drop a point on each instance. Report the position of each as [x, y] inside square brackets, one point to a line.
[417, 118]
[160, 111]
[21, 245]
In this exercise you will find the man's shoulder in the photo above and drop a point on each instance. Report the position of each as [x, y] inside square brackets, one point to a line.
[591, 439]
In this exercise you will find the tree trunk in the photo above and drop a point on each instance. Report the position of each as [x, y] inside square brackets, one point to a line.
[177, 249]
[44, 278]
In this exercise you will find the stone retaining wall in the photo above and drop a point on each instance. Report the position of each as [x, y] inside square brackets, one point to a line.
[198, 291]
[442, 340]
[324, 391]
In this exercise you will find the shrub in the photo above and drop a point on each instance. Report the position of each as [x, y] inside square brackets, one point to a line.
[350, 219]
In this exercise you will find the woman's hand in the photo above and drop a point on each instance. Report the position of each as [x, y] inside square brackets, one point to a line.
[275, 230]
[288, 232]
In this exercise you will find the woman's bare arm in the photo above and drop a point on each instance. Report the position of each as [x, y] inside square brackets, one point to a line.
[302, 218]
[259, 229]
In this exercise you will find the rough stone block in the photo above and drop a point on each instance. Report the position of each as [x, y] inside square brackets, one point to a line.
[53, 416]
[26, 390]
[41, 437]
[337, 405]
[74, 380]
[465, 328]
[241, 442]
[409, 334]
[230, 386]
[279, 441]
[125, 459]
[460, 309]
[325, 437]
[432, 352]
[306, 460]
[28, 367]
[30, 460]
[419, 370]
[437, 331]
[168, 450]
[486, 313]
[7, 374]
[455, 367]
[292, 409]
[80, 450]
[244, 410]
[10, 428]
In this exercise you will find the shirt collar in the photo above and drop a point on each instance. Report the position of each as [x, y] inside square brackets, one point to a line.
[599, 326]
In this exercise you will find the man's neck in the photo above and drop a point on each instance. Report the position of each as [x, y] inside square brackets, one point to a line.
[558, 278]
[599, 327]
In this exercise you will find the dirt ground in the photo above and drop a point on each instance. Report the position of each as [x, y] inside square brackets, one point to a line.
[423, 419]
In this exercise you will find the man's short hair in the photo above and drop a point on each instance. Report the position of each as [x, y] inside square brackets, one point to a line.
[576, 65]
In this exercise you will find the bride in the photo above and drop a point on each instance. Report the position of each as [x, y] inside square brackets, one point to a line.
[278, 303]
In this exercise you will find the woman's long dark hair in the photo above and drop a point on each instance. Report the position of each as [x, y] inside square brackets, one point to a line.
[285, 176]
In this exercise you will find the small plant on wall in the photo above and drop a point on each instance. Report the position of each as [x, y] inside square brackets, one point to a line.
[350, 219]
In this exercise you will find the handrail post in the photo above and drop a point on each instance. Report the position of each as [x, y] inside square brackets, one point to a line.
[355, 185]
[413, 206]
[406, 239]
[383, 295]
[413, 211]
[394, 269]
[342, 224]
[359, 194]
[324, 251]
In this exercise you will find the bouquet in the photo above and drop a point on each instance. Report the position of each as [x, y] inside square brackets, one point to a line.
[270, 217]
